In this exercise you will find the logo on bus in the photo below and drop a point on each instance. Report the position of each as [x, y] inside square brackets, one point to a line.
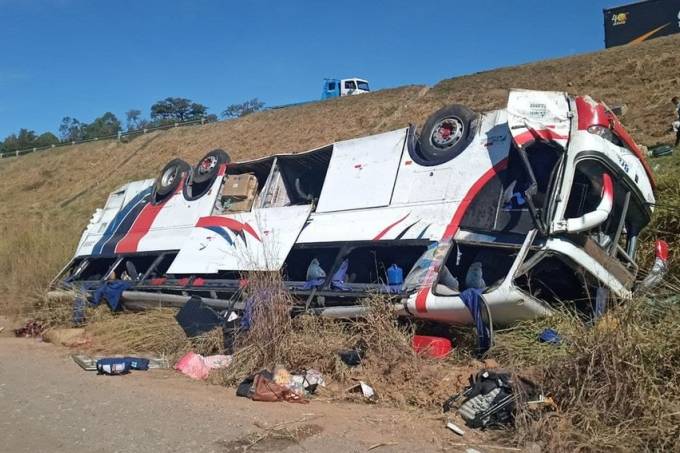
[619, 19]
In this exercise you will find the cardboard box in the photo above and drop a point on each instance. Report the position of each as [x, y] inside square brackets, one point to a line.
[239, 192]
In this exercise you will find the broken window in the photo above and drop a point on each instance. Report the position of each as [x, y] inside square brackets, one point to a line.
[617, 235]
[297, 179]
[557, 282]
[300, 257]
[470, 265]
[97, 268]
[369, 264]
[502, 206]
[363, 264]
[137, 266]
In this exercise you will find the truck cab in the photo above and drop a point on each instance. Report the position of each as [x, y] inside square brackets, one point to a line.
[333, 88]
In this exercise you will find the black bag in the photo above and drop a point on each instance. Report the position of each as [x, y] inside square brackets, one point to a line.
[245, 388]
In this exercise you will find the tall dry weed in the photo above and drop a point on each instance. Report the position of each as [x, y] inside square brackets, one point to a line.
[30, 256]
[616, 383]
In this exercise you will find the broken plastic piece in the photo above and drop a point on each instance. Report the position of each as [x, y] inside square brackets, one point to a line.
[455, 428]
[660, 267]
[365, 389]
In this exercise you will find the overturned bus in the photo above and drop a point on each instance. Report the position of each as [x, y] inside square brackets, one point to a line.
[534, 205]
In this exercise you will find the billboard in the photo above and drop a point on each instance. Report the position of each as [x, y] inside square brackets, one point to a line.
[637, 22]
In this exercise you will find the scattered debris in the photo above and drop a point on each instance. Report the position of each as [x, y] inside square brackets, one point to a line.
[550, 336]
[196, 318]
[262, 386]
[490, 400]
[658, 151]
[88, 363]
[366, 390]
[266, 389]
[542, 403]
[121, 365]
[455, 428]
[32, 328]
[382, 444]
[110, 291]
[198, 367]
[351, 357]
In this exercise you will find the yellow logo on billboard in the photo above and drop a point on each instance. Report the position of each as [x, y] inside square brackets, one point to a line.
[619, 19]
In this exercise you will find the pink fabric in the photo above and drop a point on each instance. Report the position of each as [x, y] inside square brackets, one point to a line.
[193, 365]
[198, 367]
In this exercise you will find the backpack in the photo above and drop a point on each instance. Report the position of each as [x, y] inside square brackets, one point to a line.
[490, 399]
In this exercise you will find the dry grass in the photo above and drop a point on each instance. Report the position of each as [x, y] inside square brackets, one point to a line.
[30, 256]
[616, 384]
[274, 338]
[150, 332]
[389, 364]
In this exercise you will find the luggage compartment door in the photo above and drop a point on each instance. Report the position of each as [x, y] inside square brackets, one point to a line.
[249, 241]
[362, 172]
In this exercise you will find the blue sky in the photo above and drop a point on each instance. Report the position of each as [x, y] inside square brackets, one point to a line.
[82, 58]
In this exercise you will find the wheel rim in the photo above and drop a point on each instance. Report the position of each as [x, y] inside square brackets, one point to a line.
[447, 133]
[168, 177]
[207, 165]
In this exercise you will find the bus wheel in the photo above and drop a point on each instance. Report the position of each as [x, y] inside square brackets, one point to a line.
[446, 134]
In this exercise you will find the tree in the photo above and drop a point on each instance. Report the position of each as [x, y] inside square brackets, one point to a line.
[23, 140]
[104, 126]
[177, 110]
[26, 139]
[46, 139]
[243, 109]
[134, 119]
[71, 129]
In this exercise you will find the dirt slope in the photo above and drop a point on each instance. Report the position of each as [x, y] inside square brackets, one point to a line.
[49, 196]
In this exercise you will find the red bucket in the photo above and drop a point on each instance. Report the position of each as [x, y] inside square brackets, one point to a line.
[436, 347]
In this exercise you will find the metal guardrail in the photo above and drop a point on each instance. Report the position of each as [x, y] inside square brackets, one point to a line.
[118, 136]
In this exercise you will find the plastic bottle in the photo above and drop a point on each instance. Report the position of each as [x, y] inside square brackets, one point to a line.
[395, 275]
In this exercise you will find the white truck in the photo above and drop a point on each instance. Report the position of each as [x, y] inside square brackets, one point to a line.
[333, 88]
[533, 206]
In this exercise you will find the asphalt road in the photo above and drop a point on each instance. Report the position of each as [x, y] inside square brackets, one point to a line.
[50, 404]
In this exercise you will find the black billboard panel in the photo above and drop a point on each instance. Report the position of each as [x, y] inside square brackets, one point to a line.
[638, 22]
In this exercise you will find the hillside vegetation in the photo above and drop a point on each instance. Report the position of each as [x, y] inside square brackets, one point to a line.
[49, 196]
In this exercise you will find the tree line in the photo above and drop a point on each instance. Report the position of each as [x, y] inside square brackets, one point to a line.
[166, 111]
